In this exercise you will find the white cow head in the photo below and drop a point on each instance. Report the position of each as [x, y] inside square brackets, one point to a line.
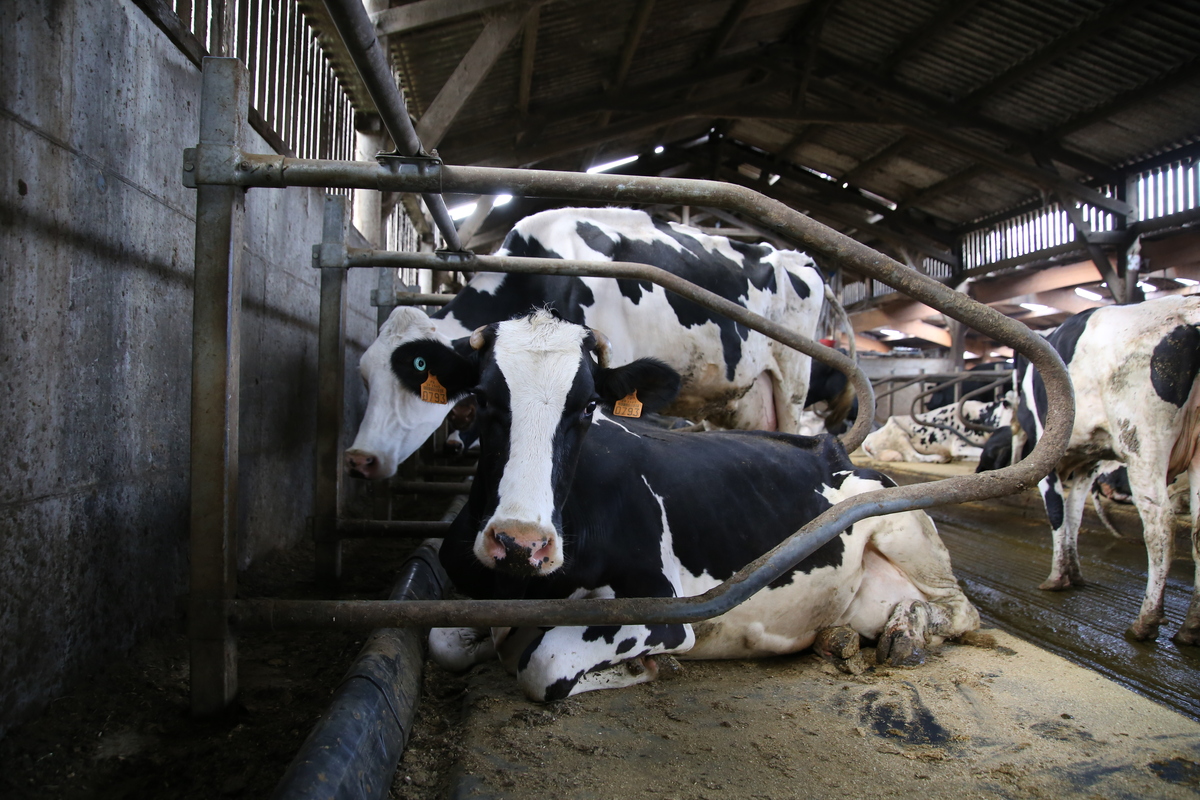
[397, 420]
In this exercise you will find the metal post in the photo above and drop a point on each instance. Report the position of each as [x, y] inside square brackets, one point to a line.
[331, 369]
[216, 356]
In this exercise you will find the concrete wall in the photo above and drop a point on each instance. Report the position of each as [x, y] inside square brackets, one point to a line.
[96, 230]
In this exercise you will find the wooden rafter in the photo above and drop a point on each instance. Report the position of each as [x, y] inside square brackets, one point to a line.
[528, 53]
[633, 38]
[470, 72]
[1110, 17]
[946, 15]
[424, 13]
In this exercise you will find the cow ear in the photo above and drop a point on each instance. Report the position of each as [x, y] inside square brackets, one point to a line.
[655, 382]
[414, 363]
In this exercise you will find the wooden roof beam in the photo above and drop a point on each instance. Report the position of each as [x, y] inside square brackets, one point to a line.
[424, 13]
[948, 13]
[470, 72]
[528, 53]
[1108, 18]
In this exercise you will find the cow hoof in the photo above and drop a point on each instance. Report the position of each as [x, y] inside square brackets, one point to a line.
[1055, 584]
[1188, 635]
[900, 649]
[1142, 632]
[668, 667]
[837, 643]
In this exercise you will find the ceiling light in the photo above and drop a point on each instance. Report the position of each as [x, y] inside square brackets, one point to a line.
[969, 354]
[772, 180]
[1186, 281]
[891, 334]
[620, 162]
[501, 199]
[659, 149]
[462, 212]
[1038, 308]
[1088, 295]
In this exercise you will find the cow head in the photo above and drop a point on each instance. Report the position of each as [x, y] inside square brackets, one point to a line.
[397, 420]
[538, 382]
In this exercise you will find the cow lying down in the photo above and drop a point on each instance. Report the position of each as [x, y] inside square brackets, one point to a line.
[571, 500]
[905, 438]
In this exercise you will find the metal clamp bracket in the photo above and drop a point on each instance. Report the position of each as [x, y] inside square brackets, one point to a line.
[330, 255]
[459, 259]
[429, 167]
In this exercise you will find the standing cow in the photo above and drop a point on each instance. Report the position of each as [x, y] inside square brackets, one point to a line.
[1135, 371]
[571, 500]
[938, 435]
[732, 376]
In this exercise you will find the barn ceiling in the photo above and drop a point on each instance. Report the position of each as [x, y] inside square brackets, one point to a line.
[900, 124]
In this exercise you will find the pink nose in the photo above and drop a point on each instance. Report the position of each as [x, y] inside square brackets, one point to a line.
[362, 465]
[520, 547]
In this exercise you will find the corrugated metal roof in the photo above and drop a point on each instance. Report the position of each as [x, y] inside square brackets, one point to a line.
[935, 89]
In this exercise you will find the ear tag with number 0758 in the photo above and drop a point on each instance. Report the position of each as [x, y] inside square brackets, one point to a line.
[628, 406]
[432, 391]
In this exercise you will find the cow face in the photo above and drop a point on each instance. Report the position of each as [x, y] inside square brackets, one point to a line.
[397, 420]
[538, 388]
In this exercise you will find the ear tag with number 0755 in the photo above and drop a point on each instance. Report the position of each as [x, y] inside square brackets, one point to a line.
[432, 391]
[628, 406]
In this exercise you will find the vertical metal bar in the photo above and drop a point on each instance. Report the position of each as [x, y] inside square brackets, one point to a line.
[331, 368]
[216, 356]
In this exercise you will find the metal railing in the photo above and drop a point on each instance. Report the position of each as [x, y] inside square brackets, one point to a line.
[220, 170]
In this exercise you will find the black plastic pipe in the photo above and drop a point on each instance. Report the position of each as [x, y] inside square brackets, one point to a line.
[353, 751]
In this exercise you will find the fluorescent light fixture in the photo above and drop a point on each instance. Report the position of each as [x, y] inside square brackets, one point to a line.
[620, 162]
[772, 179]
[659, 149]
[996, 354]
[1088, 295]
[891, 334]
[969, 354]
[1147, 287]
[462, 212]
[1038, 308]
[501, 199]
[1185, 281]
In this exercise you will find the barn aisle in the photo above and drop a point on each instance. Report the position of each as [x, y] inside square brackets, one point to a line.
[1001, 552]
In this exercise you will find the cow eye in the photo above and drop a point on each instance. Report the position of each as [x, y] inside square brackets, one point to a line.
[589, 408]
[419, 363]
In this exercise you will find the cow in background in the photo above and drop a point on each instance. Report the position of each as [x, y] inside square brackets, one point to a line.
[1135, 371]
[939, 435]
[572, 500]
[732, 377]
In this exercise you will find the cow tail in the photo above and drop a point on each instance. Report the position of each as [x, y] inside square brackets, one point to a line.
[843, 320]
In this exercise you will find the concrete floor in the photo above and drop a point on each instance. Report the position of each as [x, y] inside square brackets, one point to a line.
[1009, 720]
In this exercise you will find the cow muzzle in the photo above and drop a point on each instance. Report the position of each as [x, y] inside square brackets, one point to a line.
[519, 547]
[362, 464]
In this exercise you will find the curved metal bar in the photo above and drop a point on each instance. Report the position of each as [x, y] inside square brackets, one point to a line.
[958, 411]
[633, 271]
[816, 238]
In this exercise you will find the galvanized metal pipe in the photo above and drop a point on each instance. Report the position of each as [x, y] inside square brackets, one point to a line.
[357, 258]
[358, 32]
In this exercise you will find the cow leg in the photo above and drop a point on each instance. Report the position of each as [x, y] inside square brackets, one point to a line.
[1064, 501]
[459, 649]
[554, 663]
[909, 543]
[1189, 632]
[1149, 485]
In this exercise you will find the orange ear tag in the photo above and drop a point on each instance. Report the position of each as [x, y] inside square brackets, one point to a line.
[432, 391]
[628, 406]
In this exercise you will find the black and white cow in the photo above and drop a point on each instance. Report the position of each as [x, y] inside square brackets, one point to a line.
[573, 501]
[1135, 371]
[733, 377]
[905, 438]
